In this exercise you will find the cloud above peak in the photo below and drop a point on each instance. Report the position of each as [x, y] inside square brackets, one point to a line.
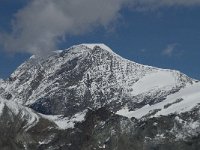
[39, 26]
[42, 24]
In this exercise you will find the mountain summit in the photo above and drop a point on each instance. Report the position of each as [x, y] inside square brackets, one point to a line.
[89, 84]
[101, 45]
[89, 75]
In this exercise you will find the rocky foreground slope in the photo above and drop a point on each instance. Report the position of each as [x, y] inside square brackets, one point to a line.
[88, 97]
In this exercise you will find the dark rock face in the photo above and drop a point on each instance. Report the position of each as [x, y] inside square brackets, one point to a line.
[101, 129]
[110, 131]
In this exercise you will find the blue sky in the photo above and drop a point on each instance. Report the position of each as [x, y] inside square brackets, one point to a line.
[167, 37]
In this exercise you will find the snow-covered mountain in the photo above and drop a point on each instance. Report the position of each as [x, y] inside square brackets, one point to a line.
[89, 75]
[90, 85]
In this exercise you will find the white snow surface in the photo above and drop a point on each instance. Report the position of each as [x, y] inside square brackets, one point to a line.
[66, 122]
[155, 81]
[184, 100]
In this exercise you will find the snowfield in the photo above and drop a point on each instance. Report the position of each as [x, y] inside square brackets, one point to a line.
[155, 81]
[184, 100]
[66, 122]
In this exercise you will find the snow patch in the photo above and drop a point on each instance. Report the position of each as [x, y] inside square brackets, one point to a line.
[66, 122]
[153, 81]
[190, 96]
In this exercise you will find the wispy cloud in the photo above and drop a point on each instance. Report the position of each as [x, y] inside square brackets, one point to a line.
[155, 4]
[169, 50]
[38, 27]
[42, 24]
[143, 50]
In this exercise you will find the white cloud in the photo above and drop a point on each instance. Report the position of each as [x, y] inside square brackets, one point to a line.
[38, 27]
[169, 51]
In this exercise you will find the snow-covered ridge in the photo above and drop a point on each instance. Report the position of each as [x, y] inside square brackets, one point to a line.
[183, 101]
[13, 109]
[17, 110]
[101, 45]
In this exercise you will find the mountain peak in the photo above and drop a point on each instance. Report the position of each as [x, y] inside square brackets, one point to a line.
[101, 45]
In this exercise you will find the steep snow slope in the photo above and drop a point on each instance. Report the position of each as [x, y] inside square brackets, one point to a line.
[155, 81]
[89, 75]
[185, 100]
